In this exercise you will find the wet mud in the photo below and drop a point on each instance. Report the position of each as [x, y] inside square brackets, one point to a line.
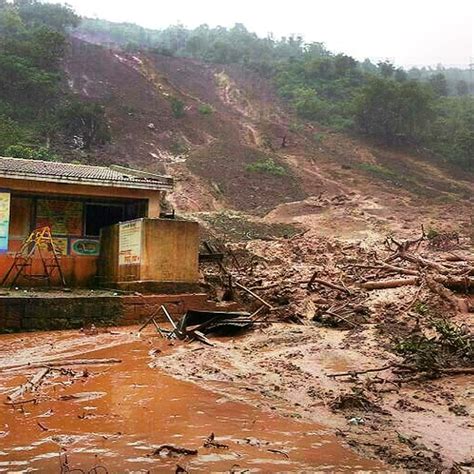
[117, 415]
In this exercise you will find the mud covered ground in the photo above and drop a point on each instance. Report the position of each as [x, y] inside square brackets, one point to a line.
[423, 426]
[418, 420]
[114, 417]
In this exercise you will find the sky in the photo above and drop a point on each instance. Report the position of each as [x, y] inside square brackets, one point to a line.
[407, 32]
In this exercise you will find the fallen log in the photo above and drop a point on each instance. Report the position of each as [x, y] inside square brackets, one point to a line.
[385, 284]
[329, 284]
[405, 271]
[455, 283]
[31, 385]
[251, 293]
[424, 262]
[441, 291]
[360, 372]
[171, 450]
[62, 363]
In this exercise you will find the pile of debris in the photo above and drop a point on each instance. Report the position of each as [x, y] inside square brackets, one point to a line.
[308, 278]
[195, 324]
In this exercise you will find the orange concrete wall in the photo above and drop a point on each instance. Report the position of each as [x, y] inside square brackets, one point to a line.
[78, 271]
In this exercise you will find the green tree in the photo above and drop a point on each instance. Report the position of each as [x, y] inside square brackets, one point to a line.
[85, 121]
[451, 134]
[10, 133]
[386, 68]
[462, 87]
[393, 111]
[439, 84]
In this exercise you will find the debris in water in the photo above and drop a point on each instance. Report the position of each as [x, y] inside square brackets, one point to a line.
[167, 450]
[212, 443]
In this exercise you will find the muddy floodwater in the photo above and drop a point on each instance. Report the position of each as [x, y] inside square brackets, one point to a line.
[116, 415]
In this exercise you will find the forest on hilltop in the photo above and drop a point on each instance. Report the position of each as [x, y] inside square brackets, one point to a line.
[430, 110]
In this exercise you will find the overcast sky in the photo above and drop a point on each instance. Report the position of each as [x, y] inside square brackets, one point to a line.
[408, 32]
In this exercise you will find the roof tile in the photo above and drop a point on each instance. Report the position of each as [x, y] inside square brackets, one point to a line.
[100, 175]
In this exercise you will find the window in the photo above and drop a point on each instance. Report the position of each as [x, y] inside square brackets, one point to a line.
[101, 215]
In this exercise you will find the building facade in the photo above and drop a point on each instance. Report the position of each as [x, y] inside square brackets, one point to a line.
[76, 202]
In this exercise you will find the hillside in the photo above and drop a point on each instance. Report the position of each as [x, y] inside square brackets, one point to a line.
[338, 195]
[230, 142]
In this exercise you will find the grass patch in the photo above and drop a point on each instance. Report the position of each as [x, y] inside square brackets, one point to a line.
[396, 178]
[318, 137]
[267, 166]
[380, 172]
[205, 109]
[177, 107]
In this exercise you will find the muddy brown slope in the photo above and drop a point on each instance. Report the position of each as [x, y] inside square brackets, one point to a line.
[231, 120]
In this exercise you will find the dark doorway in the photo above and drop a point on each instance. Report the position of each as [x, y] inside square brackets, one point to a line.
[102, 215]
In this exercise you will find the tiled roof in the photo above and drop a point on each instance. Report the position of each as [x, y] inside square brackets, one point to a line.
[116, 176]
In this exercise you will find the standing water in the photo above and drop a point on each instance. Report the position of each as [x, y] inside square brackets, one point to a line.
[116, 416]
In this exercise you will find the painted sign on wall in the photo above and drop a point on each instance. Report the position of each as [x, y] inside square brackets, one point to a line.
[130, 243]
[85, 247]
[4, 221]
[63, 217]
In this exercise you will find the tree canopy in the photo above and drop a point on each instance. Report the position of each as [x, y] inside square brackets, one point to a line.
[33, 106]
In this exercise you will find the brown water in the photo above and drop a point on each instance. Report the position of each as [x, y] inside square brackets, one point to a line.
[118, 415]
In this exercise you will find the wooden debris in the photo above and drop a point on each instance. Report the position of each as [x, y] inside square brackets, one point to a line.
[21, 402]
[279, 451]
[459, 283]
[31, 385]
[62, 363]
[354, 373]
[152, 319]
[201, 337]
[211, 442]
[342, 318]
[171, 450]
[251, 293]
[326, 283]
[384, 284]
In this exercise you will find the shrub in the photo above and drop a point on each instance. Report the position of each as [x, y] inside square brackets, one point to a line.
[177, 107]
[21, 151]
[45, 154]
[318, 137]
[267, 166]
[451, 345]
[205, 109]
